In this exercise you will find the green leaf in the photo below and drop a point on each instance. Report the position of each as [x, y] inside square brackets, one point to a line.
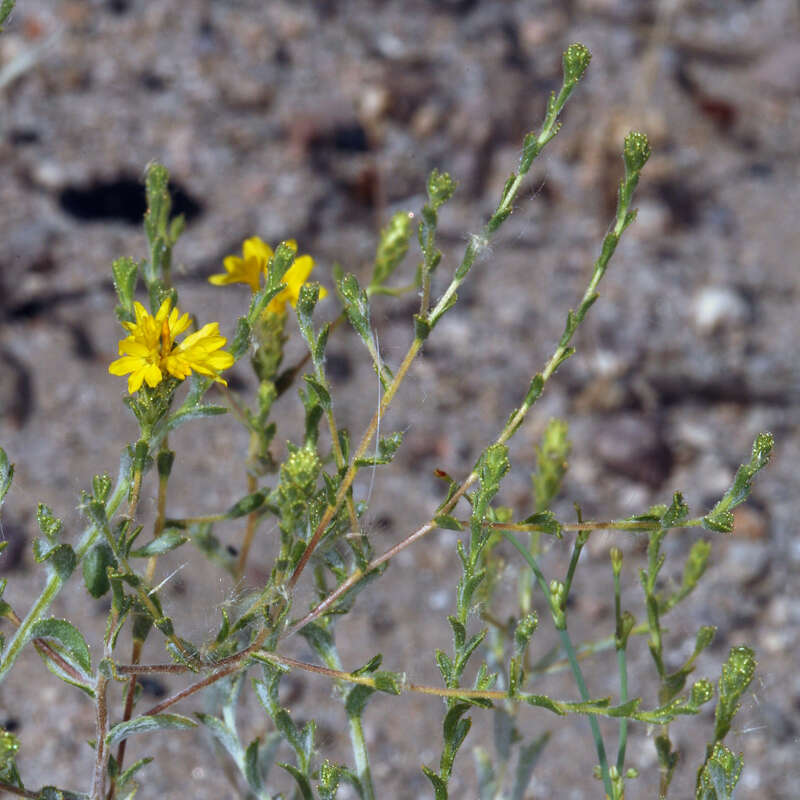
[148, 724]
[492, 466]
[356, 700]
[52, 793]
[356, 306]
[719, 775]
[223, 734]
[128, 774]
[551, 462]
[249, 503]
[720, 518]
[319, 391]
[320, 639]
[101, 486]
[422, 328]
[387, 447]
[676, 513]
[252, 770]
[331, 775]
[67, 635]
[546, 522]
[696, 563]
[441, 188]
[389, 682]
[318, 350]
[6, 8]
[9, 746]
[667, 757]
[164, 461]
[719, 521]
[49, 524]
[455, 727]
[241, 337]
[278, 266]
[543, 701]
[445, 665]
[268, 752]
[439, 786]
[302, 781]
[468, 649]
[737, 673]
[61, 557]
[306, 302]
[75, 677]
[168, 540]
[449, 523]
[6, 475]
[125, 271]
[95, 566]
[392, 248]
[525, 629]
[196, 412]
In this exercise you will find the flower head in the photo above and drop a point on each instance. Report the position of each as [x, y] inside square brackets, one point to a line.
[254, 262]
[247, 269]
[150, 352]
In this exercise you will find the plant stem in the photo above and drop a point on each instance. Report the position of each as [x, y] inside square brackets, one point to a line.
[7, 787]
[352, 470]
[357, 740]
[361, 756]
[549, 129]
[127, 712]
[250, 530]
[577, 547]
[566, 644]
[54, 584]
[101, 748]
[161, 514]
[622, 664]
[335, 674]
[561, 352]
[621, 642]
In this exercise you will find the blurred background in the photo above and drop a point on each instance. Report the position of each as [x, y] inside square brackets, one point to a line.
[317, 121]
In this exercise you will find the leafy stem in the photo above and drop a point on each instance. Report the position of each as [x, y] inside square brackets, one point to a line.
[569, 649]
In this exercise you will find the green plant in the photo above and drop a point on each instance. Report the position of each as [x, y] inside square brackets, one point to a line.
[310, 497]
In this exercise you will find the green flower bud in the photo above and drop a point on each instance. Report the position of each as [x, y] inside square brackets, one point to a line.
[636, 151]
[576, 59]
[702, 692]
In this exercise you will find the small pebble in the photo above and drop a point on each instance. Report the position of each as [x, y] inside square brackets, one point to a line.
[717, 307]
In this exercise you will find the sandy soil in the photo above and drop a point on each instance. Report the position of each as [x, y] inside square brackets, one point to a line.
[317, 121]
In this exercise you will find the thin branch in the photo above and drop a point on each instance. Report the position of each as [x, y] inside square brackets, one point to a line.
[192, 689]
[250, 531]
[149, 669]
[7, 787]
[101, 748]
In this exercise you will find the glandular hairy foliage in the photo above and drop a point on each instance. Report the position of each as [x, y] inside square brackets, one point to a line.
[494, 664]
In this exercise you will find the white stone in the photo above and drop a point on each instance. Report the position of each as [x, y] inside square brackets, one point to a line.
[716, 307]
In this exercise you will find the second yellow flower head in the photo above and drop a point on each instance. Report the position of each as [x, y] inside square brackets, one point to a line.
[254, 262]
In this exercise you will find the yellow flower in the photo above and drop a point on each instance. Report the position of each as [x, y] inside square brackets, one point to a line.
[256, 255]
[254, 262]
[150, 350]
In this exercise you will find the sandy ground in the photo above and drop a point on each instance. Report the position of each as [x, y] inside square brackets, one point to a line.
[317, 121]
